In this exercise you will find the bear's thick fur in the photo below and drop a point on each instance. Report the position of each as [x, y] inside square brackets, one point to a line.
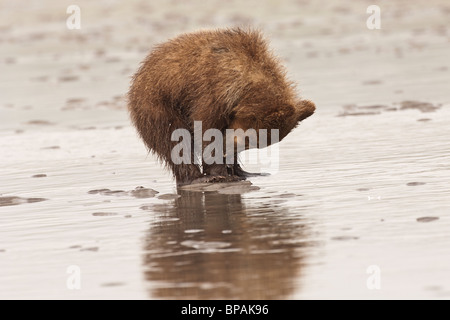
[225, 78]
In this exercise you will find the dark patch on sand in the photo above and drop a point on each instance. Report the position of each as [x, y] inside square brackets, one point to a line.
[108, 192]
[287, 195]
[112, 284]
[39, 175]
[344, 50]
[116, 103]
[372, 82]
[68, 78]
[77, 246]
[112, 59]
[75, 104]
[427, 219]
[12, 201]
[418, 105]
[363, 189]
[104, 214]
[75, 100]
[424, 119]
[10, 60]
[344, 238]
[41, 122]
[84, 67]
[433, 288]
[412, 184]
[51, 148]
[94, 249]
[138, 192]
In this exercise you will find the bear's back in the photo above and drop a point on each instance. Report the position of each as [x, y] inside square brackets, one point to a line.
[218, 65]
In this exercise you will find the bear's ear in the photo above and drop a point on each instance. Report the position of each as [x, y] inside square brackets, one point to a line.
[305, 108]
[278, 117]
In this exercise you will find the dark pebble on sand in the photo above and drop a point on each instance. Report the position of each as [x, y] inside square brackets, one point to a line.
[427, 219]
[412, 184]
[40, 175]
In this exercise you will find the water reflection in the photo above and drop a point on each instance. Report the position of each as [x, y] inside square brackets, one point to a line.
[217, 246]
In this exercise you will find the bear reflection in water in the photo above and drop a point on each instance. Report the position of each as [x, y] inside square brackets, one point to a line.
[216, 246]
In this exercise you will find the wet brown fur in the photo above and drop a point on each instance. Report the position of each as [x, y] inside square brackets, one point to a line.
[225, 78]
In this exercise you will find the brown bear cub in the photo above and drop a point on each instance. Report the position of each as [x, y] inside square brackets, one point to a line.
[227, 79]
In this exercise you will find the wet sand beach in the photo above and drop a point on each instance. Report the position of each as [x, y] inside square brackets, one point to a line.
[358, 207]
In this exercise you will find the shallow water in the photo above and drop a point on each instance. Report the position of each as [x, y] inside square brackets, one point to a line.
[362, 185]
